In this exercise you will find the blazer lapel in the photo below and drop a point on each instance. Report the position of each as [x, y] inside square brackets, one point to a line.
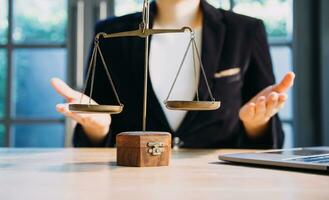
[212, 43]
[213, 34]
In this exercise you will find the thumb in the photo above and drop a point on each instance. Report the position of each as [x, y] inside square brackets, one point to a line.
[285, 84]
[64, 90]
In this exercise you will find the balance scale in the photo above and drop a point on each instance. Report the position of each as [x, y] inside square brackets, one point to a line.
[144, 32]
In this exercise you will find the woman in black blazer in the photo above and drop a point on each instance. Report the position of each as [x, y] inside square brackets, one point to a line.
[238, 66]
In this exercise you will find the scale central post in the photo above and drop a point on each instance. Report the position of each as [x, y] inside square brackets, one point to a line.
[145, 26]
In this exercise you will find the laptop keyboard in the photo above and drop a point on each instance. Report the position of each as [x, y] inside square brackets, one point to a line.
[322, 159]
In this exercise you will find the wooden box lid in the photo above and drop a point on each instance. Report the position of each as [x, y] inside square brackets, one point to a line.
[141, 139]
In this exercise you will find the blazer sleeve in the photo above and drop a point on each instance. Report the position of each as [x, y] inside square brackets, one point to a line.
[258, 75]
[80, 139]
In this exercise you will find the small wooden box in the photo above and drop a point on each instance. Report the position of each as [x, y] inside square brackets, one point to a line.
[143, 149]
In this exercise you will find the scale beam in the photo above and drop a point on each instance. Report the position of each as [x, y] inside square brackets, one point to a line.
[141, 33]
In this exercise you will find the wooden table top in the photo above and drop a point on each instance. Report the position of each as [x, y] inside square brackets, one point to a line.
[193, 174]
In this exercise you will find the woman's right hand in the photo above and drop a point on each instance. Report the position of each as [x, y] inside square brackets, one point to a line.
[96, 126]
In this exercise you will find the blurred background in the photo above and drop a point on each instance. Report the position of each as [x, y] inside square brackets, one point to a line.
[40, 39]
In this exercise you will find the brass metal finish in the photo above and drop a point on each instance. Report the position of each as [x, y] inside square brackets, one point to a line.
[91, 108]
[156, 148]
[141, 33]
[143, 27]
[192, 105]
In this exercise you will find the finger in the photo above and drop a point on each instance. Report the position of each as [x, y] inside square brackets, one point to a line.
[251, 110]
[260, 108]
[271, 104]
[247, 112]
[285, 84]
[63, 108]
[282, 100]
[64, 90]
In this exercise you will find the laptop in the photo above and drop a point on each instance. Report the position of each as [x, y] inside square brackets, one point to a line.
[311, 158]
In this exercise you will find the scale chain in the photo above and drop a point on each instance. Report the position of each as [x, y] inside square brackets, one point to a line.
[194, 49]
[195, 75]
[93, 76]
[109, 75]
[91, 71]
[88, 73]
[179, 69]
[203, 71]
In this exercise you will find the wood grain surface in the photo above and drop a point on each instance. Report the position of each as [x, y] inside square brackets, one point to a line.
[192, 174]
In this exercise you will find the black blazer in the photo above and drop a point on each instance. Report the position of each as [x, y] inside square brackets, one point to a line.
[228, 40]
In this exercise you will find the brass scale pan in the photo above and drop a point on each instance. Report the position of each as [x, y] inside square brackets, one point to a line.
[93, 108]
[170, 104]
[192, 105]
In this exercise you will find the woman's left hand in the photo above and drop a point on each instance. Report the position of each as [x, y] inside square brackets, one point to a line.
[256, 113]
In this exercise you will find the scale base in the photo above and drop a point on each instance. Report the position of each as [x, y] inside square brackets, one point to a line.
[143, 148]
